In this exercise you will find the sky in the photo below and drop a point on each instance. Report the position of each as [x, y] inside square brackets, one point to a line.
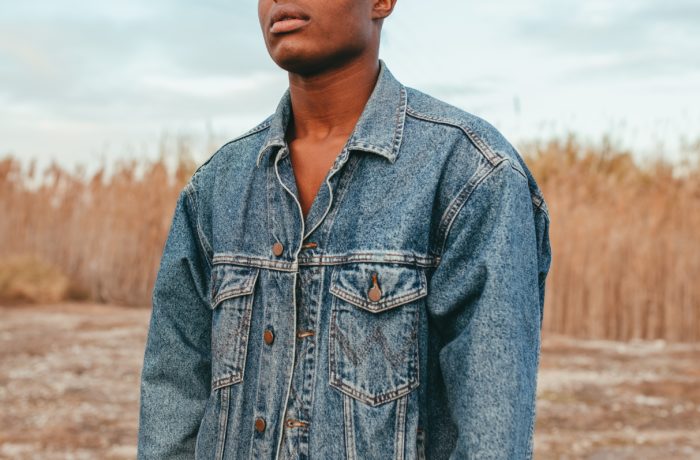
[89, 82]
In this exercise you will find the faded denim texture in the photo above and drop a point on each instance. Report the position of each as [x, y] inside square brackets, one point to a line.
[403, 315]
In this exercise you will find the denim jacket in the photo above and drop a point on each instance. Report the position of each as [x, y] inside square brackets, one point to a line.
[400, 319]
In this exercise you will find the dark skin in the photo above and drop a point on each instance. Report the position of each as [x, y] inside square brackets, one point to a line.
[332, 63]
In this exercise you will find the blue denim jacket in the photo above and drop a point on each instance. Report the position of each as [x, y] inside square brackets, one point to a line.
[400, 319]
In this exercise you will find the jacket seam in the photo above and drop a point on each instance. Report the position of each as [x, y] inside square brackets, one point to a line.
[256, 129]
[536, 198]
[458, 202]
[487, 152]
[201, 238]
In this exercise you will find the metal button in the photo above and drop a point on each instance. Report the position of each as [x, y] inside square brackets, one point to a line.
[374, 292]
[260, 424]
[268, 336]
[277, 248]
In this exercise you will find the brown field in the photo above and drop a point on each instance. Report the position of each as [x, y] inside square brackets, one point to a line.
[69, 388]
[625, 237]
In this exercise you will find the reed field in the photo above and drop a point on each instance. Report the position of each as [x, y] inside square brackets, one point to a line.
[625, 237]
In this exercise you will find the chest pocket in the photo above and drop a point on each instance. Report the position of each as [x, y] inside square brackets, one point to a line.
[232, 294]
[373, 339]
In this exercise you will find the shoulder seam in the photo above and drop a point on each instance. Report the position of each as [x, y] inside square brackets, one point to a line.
[191, 192]
[460, 199]
[488, 153]
[259, 127]
[492, 157]
[262, 125]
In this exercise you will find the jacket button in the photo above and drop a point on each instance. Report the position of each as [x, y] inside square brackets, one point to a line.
[277, 248]
[374, 292]
[268, 336]
[260, 424]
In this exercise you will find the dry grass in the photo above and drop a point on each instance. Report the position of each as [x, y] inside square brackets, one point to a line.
[30, 279]
[105, 233]
[625, 243]
[625, 237]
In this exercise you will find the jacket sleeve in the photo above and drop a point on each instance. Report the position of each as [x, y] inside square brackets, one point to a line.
[176, 373]
[486, 303]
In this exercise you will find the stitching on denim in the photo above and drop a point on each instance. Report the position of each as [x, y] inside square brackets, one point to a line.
[385, 304]
[458, 201]
[488, 153]
[254, 261]
[261, 126]
[348, 296]
[400, 429]
[400, 122]
[229, 379]
[190, 192]
[295, 319]
[296, 200]
[533, 415]
[542, 207]
[264, 124]
[535, 196]
[225, 394]
[349, 427]
[236, 291]
[493, 158]
[335, 380]
[325, 260]
[373, 257]
[242, 332]
[376, 400]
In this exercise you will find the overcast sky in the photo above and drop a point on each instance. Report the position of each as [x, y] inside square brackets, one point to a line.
[83, 81]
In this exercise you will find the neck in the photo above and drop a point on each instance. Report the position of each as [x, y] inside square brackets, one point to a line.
[328, 104]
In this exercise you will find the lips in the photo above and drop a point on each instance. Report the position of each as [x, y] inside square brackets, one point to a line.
[287, 17]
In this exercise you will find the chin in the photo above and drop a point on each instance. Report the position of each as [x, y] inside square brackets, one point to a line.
[298, 61]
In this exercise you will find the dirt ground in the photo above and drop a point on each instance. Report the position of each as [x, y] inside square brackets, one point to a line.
[69, 389]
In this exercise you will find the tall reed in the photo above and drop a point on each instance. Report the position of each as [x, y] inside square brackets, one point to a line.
[625, 237]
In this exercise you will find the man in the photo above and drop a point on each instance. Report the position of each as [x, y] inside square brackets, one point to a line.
[360, 276]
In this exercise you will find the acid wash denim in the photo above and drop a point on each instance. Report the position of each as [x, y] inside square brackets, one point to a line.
[401, 319]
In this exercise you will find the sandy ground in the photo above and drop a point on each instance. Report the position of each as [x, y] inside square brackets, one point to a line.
[69, 381]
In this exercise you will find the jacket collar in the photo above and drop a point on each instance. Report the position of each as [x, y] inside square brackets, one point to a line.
[378, 130]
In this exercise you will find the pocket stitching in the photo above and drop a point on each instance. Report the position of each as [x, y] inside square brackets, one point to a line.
[341, 385]
[235, 376]
[219, 295]
[384, 304]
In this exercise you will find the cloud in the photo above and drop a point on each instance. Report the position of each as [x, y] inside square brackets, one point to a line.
[627, 37]
[72, 58]
[75, 74]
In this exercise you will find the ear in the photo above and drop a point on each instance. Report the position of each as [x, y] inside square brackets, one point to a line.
[382, 8]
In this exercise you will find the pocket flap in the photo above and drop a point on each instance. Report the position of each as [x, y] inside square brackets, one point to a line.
[377, 286]
[231, 281]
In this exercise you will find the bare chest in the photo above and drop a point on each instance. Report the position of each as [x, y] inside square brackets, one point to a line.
[311, 163]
